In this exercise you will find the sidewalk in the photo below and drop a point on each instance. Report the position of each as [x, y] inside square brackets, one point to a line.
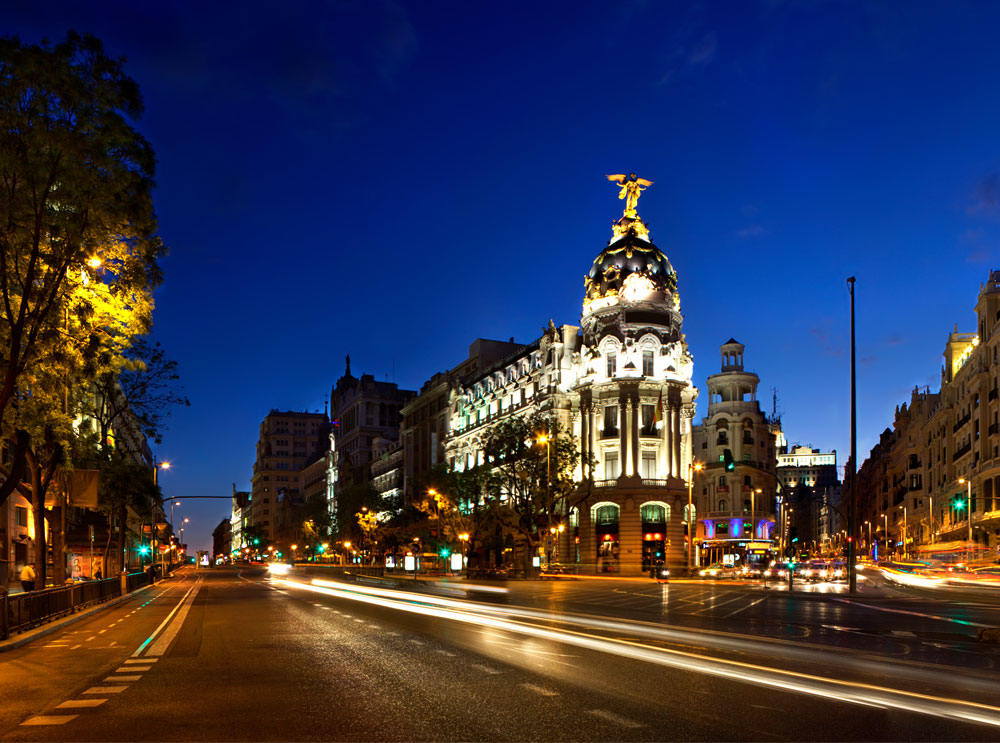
[24, 638]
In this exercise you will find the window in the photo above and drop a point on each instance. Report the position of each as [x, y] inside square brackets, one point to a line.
[647, 363]
[722, 481]
[611, 465]
[21, 516]
[648, 420]
[612, 361]
[649, 465]
[610, 419]
[653, 513]
[606, 515]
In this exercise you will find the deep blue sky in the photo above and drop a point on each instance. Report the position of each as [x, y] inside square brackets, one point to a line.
[393, 180]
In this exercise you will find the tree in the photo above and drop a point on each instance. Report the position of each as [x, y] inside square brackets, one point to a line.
[78, 243]
[528, 481]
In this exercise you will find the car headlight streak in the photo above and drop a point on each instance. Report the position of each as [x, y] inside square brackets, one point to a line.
[847, 691]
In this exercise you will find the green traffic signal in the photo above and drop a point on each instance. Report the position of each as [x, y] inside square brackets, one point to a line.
[445, 552]
[727, 458]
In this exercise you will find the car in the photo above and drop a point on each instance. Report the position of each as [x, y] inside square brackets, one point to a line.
[777, 570]
[717, 570]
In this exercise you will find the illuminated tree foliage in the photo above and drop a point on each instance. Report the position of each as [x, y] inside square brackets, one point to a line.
[78, 244]
[518, 469]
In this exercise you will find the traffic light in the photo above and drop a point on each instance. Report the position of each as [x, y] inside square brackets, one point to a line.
[959, 503]
[793, 533]
[727, 458]
[445, 552]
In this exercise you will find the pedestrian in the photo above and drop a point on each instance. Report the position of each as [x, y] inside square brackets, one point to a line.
[97, 575]
[27, 578]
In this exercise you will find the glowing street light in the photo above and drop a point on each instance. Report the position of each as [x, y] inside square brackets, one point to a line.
[692, 468]
[968, 502]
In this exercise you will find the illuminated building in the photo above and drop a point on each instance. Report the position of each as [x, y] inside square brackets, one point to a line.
[621, 383]
[736, 488]
[287, 440]
[915, 481]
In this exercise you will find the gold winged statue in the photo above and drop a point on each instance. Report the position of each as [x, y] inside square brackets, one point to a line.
[631, 187]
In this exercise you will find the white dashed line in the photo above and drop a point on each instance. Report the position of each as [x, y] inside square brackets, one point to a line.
[101, 631]
[141, 661]
[90, 638]
[485, 669]
[416, 642]
[132, 669]
[612, 717]
[50, 720]
[447, 652]
[119, 679]
[75, 703]
[78, 645]
[105, 689]
[540, 690]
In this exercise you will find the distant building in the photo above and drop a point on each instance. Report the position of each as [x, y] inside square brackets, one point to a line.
[286, 441]
[362, 411]
[237, 522]
[426, 421]
[934, 477]
[735, 506]
[387, 476]
[221, 540]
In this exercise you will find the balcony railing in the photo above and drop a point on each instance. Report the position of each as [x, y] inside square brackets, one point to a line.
[961, 452]
[994, 428]
[993, 394]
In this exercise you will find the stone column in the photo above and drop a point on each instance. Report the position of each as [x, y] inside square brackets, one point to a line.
[585, 472]
[677, 438]
[668, 437]
[636, 412]
[623, 431]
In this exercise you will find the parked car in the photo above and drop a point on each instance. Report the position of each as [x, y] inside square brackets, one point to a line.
[717, 570]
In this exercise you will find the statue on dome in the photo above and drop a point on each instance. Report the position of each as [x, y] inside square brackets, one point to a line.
[631, 187]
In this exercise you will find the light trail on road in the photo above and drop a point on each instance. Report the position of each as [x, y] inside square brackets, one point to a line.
[863, 694]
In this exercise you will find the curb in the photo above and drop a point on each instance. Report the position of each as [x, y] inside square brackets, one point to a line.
[47, 629]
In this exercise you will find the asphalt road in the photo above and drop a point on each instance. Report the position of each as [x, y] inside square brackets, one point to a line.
[231, 654]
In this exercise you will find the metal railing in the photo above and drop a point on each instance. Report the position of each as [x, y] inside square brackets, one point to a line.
[23, 611]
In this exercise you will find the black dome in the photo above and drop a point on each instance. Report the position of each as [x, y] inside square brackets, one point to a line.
[624, 257]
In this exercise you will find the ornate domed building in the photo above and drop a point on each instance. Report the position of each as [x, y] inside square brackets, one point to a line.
[621, 383]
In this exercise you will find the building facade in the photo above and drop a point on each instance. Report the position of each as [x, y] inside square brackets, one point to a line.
[286, 441]
[621, 383]
[736, 485]
[931, 487]
[426, 418]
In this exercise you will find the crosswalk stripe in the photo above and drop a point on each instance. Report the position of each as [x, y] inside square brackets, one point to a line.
[50, 720]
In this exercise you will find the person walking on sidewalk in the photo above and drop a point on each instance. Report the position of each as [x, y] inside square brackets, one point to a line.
[28, 578]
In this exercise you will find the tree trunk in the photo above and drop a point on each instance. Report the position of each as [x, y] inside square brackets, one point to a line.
[54, 516]
[121, 537]
[38, 511]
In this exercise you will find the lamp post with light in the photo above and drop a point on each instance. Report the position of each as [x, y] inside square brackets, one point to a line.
[904, 530]
[157, 466]
[544, 438]
[692, 468]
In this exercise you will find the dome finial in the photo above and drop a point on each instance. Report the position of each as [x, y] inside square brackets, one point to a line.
[631, 187]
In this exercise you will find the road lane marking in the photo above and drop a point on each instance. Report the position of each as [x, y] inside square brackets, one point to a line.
[132, 669]
[912, 613]
[165, 622]
[485, 669]
[105, 689]
[50, 720]
[416, 642]
[141, 660]
[744, 608]
[540, 690]
[101, 631]
[74, 703]
[903, 633]
[447, 653]
[90, 638]
[78, 645]
[116, 679]
[612, 717]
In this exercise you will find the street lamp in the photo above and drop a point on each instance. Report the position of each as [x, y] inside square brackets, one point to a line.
[692, 468]
[968, 504]
[464, 539]
[544, 438]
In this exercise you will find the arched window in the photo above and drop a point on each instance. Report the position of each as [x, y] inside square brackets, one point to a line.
[690, 513]
[722, 504]
[606, 515]
[723, 439]
[653, 513]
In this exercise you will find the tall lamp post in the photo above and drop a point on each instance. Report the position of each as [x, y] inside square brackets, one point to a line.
[692, 468]
[905, 535]
[968, 508]
[852, 521]
[544, 439]
[155, 552]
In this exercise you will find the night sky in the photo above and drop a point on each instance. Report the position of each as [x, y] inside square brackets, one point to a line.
[394, 180]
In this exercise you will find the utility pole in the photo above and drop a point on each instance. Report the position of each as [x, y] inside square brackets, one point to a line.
[852, 522]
